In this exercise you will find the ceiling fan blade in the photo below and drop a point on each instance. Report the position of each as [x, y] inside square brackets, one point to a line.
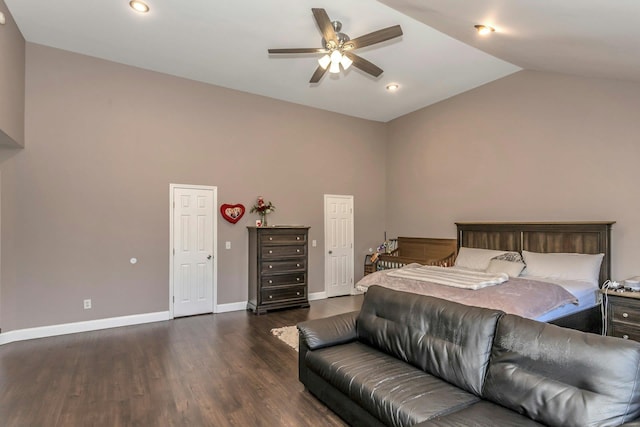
[300, 50]
[325, 25]
[317, 75]
[374, 37]
[364, 65]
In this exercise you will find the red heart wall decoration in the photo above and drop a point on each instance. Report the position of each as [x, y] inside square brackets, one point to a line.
[232, 213]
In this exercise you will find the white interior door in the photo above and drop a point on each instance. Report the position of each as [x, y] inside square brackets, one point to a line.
[338, 238]
[193, 249]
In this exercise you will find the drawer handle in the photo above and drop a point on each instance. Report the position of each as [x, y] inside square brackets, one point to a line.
[298, 238]
[298, 279]
[271, 266]
[625, 314]
[625, 337]
[270, 252]
[270, 281]
[270, 238]
[297, 265]
[298, 293]
[270, 296]
[297, 250]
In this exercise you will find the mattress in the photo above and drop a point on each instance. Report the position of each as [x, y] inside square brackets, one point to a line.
[521, 296]
[586, 293]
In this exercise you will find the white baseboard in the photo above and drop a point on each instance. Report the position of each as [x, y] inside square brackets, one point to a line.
[323, 295]
[89, 325]
[317, 295]
[114, 322]
[239, 306]
[232, 306]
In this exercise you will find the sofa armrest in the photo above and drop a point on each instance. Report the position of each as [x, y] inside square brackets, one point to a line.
[334, 330]
[634, 423]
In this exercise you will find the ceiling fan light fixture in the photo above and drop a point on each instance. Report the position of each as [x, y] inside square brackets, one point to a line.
[324, 61]
[392, 87]
[139, 6]
[336, 56]
[345, 62]
[484, 30]
[335, 43]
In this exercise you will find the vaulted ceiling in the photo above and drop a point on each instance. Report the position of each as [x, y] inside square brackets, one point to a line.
[440, 55]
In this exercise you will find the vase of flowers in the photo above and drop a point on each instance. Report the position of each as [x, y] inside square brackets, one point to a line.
[263, 209]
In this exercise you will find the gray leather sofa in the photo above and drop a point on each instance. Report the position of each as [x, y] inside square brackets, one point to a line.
[409, 360]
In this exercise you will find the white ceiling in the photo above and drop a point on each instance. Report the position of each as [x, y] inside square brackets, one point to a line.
[591, 38]
[225, 43]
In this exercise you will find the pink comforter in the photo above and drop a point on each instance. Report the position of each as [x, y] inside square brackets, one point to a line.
[526, 298]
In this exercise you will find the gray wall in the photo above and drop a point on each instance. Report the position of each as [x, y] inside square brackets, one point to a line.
[12, 67]
[91, 188]
[532, 146]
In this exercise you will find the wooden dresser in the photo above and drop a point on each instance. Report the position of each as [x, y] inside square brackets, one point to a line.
[278, 259]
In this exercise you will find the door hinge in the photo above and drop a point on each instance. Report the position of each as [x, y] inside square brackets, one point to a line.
[174, 251]
[174, 205]
[174, 299]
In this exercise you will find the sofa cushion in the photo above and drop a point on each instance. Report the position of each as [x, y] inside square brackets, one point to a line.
[333, 330]
[393, 391]
[449, 340]
[563, 377]
[481, 414]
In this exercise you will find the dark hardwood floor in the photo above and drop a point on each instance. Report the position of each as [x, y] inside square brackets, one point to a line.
[210, 370]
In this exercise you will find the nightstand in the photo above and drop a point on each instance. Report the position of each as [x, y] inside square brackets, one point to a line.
[623, 314]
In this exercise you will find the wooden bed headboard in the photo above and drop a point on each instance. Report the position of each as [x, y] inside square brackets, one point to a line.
[546, 237]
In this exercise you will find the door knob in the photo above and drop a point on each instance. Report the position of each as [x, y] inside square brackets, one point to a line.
[330, 252]
[209, 257]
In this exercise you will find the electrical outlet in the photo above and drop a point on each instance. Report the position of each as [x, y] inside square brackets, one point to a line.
[87, 304]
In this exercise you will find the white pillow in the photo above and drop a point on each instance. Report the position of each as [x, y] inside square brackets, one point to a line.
[565, 266]
[476, 259]
[512, 268]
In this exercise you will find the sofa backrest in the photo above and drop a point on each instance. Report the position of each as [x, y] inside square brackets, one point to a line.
[446, 339]
[562, 377]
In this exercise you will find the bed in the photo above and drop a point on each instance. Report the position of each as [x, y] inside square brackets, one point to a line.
[573, 299]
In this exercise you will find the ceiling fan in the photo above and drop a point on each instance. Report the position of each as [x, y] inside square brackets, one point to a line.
[338, 47]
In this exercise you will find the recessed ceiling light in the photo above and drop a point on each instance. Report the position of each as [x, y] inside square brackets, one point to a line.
[139, 6]
[483, 30]
[393, 87]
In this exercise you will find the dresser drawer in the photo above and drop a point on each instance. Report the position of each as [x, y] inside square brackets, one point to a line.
[623, 330]
[284, 238]
[626, 311]
[284, 279]
[274, 252]
[285, 293]
[271, 267]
